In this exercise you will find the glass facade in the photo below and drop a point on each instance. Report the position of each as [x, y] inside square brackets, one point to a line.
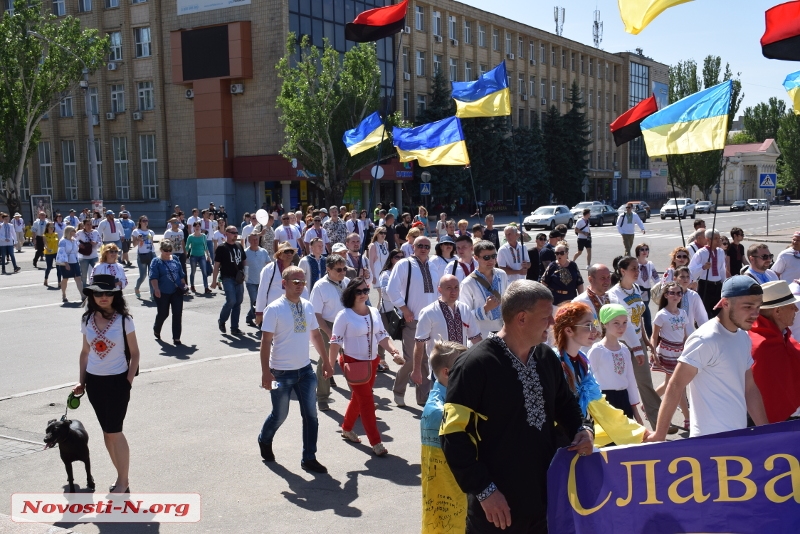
[639, 90]
[321, 19]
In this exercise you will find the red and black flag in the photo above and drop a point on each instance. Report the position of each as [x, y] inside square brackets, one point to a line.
[781, 39]
[377, 23]
[627, 126]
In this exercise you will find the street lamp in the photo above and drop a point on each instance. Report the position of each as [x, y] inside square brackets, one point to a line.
[94, 182]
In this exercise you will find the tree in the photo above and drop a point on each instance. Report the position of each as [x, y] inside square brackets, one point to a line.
[555, 152]
[701, 169]
[530, 174]
[576, 129]
[763, 121]
[789, 144]
[322, 95]
[34, 77]
[741, 138]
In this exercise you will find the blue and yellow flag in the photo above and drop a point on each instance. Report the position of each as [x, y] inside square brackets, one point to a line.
[636, 14]
[436, 143]
[488, 96]
[696, 123]
[366, 135]
[792, 86]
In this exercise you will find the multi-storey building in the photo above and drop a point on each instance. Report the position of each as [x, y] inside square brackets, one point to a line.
[185, 112]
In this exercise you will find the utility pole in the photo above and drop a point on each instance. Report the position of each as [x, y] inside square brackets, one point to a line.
[558, 15]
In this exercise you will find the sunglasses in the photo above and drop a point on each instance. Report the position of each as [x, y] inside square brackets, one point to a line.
[398, 257]
[287, 252]
[489, 257]
[364, 291]
[541, 239]
[681, 257]
[381, 233]
[113, 251]
[233, 232]
[561, 253]
[426, 247]
[765, 256]
[298, 282]
[284, 218]
[317, 221]
[594, 326]
[104, 294]
[339, 269]
[644, 249]
[675, 293]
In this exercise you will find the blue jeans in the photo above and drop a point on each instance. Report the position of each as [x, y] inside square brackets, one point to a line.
[194, 262]
[234, 295]
[85, 269]
[49, 260]
[252, 292]
[304, 383]
[143, 261]
[7, 250]
[210, 245]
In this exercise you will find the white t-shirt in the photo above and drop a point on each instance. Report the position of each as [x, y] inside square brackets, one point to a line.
[291, 325]
[327, 299]
[432, 326]
[613, 369]
[716, 394]
[208, 228]
[145, 240]
[512, 257]
[352, 332]
[312, 232]
[673, 326]
[246, 231]
[795, 287]
[692, 304]
[177, 241]
[787, 265]
[106, 347]
[94, 237]
[219, 237]
[583, 229]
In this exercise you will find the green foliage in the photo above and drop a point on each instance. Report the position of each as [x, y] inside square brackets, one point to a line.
[441, 105]
[322, 95]
[741, 138]
[763, 121]
[701, 169]
[556, 159]
[789, 145]
[530, 174]
[576, 129]
[34, 76]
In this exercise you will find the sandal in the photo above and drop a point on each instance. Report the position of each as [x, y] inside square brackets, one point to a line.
[137, 293]
[379, 449]
[351, 436]
[686, 424]
[382, 367]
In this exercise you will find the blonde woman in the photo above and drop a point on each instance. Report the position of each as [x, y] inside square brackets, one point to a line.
[422, 217]
[109, 256]
[408, 247]
[463, 224]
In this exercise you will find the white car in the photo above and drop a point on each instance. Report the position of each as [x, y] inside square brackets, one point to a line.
[548, 217]
[681, 207]
[580, 206]
[756, 204]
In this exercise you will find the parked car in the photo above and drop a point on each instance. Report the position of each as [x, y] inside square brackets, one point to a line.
[638, 208]
[681, 207]
[548, 217]
[642, 205]
[600, 215]
[763, 204]
[580, 206]
[741, 205]
[705, 206]
[755, 204]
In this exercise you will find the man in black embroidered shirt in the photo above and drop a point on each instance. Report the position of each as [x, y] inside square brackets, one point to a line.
[510, 390]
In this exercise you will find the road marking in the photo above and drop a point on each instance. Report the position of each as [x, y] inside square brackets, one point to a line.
[20, 287]
[20, 439]
[56, 304]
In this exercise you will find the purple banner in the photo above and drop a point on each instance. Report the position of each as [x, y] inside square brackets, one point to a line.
[742, 481]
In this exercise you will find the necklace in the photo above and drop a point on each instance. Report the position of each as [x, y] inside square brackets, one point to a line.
[632, 291]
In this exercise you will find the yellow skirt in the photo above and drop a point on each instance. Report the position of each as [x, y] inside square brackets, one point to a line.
[444, 505]
[612, 426]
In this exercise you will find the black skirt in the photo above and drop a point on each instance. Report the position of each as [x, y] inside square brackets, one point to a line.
[109, 396]
[618, 398]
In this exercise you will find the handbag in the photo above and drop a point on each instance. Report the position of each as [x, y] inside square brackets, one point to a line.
[127, 348]
[394, 320]
[360, 372]
[85, 247]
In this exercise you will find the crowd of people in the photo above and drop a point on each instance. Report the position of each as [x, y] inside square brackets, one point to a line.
[507, 347]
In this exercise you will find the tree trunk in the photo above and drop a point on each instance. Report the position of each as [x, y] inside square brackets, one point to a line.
[13, 203]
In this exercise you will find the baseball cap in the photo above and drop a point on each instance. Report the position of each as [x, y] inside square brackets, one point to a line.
[741, 286]
[109, 212]
[72, 211]
[609, 312]
[324, 210]
[339, 247]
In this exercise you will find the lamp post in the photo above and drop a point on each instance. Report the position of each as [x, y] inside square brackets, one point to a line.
[94, 183]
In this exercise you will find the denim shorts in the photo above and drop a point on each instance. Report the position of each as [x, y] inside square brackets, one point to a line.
[73, 272]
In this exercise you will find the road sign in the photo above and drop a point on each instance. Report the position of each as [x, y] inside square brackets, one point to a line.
[425, 189]
[425, 176]
[767, 180]
[645, 174]
[376, 172]
[584, 189]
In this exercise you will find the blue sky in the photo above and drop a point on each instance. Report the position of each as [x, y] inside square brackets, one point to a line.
[731, 29]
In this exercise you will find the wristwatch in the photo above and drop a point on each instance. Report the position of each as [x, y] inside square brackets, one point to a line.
[587, 428]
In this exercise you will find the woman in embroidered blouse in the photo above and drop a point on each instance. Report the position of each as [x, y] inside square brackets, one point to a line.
[51, 239]
[59, 225]
[648, 277]
[378, 253]
[679, 257]
[358, 331]
[108, 265]
[386, 305]
[408, 246]
[563, 276]
[67, 263]
[367, 227]
[106, 374]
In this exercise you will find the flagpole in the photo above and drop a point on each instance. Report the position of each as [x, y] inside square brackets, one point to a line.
[474, 196]
[675, 197]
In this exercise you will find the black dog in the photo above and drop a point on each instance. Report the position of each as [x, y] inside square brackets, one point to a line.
[73, 445]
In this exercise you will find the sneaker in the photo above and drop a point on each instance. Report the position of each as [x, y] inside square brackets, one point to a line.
[399, 400]
[323, 406]
[221, 326]
[17, 269]
[313, 465]
[266, 451]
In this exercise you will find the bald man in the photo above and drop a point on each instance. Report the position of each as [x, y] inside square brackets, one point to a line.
[446, 319]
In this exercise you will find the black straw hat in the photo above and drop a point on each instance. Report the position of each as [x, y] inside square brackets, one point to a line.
[101, 283]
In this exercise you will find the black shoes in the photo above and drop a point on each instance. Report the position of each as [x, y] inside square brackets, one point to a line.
[221, 326]
[266, 451]
[323, 406]
[333, 382]
[313, 465]
[236, 332]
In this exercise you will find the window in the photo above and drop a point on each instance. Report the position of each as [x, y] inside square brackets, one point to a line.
[563, 59]
[468, 31]
[141, 37]
[572, 61]
[563, 92]
[553, 56]
[8, 7]
[639, 90]
[495, 39]
[542, 56]
[553, 90]
[45, 169]
[421, 104]
[481, 36]
[419, 18]
[615, 102]
[112, 3]
[138, 1]
[482, 69]
[582, 69]
[437, 23]
[531, 50]
[84, 6]
[591, 67]
[608, 128]
[115, 41]
[406, 66]
[533, 85]
[437, 64]
[468, 71]
[65, 107]
[599, 159]
[453, 70]
[93, 101]
[147, 150]
[70, 170]
[543, 88]
[521, 83]
[420, 63]
[521, 118]
[59, 9]
[99, 157]
[599, 70]
[120, 147]
[599, 100]
[117, 98]
[606, 71]
[508, 43]
[607, 95]
[533, 118]
[591, 97]
[146, 96]
[451, 31]
[615, 73]
[606, 165]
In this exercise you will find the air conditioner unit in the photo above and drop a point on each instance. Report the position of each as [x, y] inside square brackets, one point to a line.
[544, 101]
[407, 29]
[406, 76]
[533, 62]
[237, 88]
[510, 56]
[189, 93]
[524, 96]
[437, 38]
[454, 42]
[112, 66]
[95, 120]
[137, 115]
[110, 116]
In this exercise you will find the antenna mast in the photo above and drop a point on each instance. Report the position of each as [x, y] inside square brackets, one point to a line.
[558, 16]
[597, 29]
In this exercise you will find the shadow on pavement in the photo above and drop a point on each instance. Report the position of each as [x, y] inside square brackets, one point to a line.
[182, 352]
[322, 493]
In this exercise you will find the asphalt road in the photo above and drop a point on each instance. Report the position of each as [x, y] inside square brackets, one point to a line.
[196, 411]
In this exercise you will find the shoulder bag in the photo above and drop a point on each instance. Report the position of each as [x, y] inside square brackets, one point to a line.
[127, 347]
[395, 322]
[359, 372]
[85, 247]
[482, 281]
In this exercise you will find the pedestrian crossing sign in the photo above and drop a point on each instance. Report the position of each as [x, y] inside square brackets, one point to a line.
[767, 180]
[425, 189]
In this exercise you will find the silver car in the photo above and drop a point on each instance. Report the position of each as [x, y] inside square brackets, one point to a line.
[548, 217]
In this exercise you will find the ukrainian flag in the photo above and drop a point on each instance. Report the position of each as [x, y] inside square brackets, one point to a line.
[437, 143]
[488, 96]
[792, 86]
[366, 135]
[697, 123]
[636, 14]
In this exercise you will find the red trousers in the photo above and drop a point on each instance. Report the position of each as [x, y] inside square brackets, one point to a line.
[362, 403]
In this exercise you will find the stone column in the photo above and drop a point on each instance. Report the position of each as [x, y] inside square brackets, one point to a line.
[366, 189]
[398, 196]
[286, 194]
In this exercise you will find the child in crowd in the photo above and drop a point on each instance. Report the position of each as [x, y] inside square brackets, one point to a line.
[444, 505]
[611, 362]
[669, 334]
